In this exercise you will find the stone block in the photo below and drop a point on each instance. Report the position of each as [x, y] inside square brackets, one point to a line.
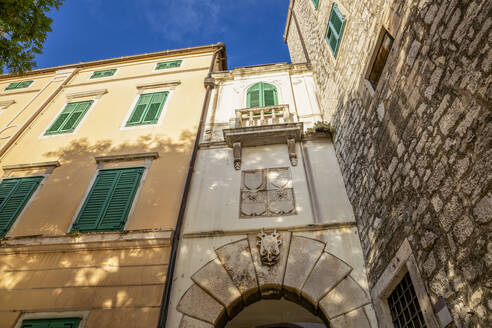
[356, 318]
[345, 297]
[327, 273]
[189, 322]
[303, 255]
[198, 304]
[215, 280]
[237, 261]
[270, 277]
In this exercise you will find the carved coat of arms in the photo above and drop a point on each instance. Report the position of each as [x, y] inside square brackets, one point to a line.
[269, 247]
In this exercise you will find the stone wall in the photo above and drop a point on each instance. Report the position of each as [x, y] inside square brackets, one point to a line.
[414, 153]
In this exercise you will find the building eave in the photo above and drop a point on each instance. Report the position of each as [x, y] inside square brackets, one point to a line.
[130, 58]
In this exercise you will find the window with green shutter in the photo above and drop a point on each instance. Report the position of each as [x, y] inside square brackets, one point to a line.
[105, 73]
[261, 95]
[168, 64]
[69, 118]
[316, 3]
[334, 31]
[51, 323]
[148, 109]
[14, 194]
[18, 85]
[109, 201]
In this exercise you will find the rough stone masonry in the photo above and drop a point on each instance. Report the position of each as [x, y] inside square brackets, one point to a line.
[416, 152]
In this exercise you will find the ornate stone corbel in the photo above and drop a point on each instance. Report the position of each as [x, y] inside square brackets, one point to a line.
[236, 150]
[291, 147]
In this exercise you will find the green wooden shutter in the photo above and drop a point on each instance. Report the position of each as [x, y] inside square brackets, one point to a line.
[121, 200]
[168, 64]
[14, 194]
[139, 109]
[148, 108]
[109, 201]
[95, 203]
[269, 94]
[316, 3]
[155, 107]
[261, 94]
[105, 73]
[334, 31]
[18, 85]
[75, 117]
[70, 117]
[51, 323]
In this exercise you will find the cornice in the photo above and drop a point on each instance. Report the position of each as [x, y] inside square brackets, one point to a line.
[86, 241]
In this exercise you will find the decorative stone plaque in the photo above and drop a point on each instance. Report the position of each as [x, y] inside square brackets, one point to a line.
[269, 247]
[267, 192]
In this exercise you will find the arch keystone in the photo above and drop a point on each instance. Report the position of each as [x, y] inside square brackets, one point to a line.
[345, 297]
[327, 273]
[270, 278]
[198, 304]
[215, 280]
[303, 255]
[237, 261]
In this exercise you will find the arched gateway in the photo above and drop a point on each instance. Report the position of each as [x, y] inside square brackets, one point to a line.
[276, 265]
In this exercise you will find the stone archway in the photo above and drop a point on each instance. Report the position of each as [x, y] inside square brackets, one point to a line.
[305, 273]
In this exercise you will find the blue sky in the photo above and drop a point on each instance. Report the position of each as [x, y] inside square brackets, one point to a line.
[85, 30]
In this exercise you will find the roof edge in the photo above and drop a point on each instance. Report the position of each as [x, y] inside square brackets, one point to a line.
[287, 23]
[210, 47]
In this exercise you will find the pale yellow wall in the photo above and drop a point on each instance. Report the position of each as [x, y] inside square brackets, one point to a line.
[100, 133]
[143, 67]
[26, 101]
[116, 285]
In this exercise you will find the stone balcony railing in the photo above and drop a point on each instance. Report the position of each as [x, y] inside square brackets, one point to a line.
[263, 126]
[261, 116]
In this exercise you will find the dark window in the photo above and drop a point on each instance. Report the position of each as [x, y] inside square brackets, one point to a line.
[380, 60]
[404, 305]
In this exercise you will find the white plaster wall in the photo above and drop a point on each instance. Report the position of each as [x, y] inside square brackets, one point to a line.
[213, 203]
[295, 90]
[215, 191]
[333, 202]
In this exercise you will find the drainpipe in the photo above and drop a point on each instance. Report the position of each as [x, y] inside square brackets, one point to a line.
[166, 297]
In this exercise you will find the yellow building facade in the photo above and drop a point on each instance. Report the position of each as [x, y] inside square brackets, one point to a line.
[94, 158]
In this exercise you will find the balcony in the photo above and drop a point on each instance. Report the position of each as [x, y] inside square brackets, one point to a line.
[261, 116]
[263, 126]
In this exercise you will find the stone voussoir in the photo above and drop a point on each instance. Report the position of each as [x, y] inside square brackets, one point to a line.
[237, 261]
[327, 273]
[356, 318]
[189, 322]
[345, 297]
[214, 279]
[198, 304]
[303, 256]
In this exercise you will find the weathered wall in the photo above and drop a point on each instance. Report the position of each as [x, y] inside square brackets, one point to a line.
[117, 278]
[102, 132]
[117, 286]
[415, 154]
[212, 218]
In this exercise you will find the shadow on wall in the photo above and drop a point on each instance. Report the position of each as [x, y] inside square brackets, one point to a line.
[116, 285]
[415, 159]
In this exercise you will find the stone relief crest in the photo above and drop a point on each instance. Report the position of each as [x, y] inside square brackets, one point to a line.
[266, 192]
[269, 247]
